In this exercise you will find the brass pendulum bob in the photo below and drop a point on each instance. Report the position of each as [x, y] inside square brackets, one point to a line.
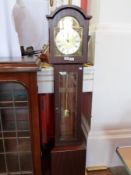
[66, 113]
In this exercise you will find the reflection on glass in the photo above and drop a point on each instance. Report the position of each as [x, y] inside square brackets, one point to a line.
[10, 145]
[68, 103]
[1, 146]
[15, 135]
[8, 119]
[24, 144]
[2, 164]
[12, 162]
[26, 162]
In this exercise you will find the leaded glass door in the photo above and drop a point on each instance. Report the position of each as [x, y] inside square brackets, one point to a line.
[15, 130]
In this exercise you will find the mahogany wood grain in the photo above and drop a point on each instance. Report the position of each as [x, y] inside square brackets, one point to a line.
[24, 71]
[68, 160]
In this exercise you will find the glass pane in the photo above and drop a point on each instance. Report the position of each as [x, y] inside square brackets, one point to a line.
[24, 144]
[10, 145]
[8, 119]
[26, 161]
[9, 134]
[0, 125]
[6, 93]
[68, 103]
[1, 146]
[12, 162]
[2, 164]
[23, 134]
[19, 93]
[22, 117]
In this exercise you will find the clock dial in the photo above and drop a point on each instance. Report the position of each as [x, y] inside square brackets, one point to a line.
[68, 42]
[68, 36]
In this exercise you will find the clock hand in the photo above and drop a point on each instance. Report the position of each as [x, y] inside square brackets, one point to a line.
[68, 38]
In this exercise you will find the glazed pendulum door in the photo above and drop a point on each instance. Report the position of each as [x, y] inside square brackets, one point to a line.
[68, 87]
[67, 93]
[15, 131]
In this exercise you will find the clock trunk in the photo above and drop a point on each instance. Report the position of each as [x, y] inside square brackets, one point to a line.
[68, 88]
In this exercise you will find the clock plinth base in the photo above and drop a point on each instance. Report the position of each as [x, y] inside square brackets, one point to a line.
[68, 160]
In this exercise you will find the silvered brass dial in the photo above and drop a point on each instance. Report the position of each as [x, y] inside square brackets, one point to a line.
[68, 42]
[68, 36]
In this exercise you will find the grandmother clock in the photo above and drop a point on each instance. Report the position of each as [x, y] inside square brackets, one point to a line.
[68, 34]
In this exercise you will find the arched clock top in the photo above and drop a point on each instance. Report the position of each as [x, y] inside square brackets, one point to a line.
[71, 9]
[68, 35]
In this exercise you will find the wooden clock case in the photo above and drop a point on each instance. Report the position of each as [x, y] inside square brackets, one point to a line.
[68, 155]
[68, 129]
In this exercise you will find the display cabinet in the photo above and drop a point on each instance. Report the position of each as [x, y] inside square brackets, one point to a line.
[19, 120]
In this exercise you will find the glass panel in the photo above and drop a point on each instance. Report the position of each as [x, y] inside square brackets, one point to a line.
[6, 93]
[15, 135]
[19, 93]
[0, 130]
[23, 134]
[24, 144]
[22, 119]
[10, 145]
[1, 146]
[26, 161]
[68, 104]
[13, 93]
[12, 162]
[8, 119]
[9, 134]
[2, 164]
[0, 126]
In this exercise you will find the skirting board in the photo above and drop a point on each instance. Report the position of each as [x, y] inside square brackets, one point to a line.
[102, 144]
[97, 168]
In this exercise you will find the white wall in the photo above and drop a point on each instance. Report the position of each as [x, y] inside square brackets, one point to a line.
[31, 23]
[111, 110]
[117, 11]
[9, 44]
[23, 23]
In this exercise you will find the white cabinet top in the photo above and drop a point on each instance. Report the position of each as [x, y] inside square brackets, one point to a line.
[45, 80]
